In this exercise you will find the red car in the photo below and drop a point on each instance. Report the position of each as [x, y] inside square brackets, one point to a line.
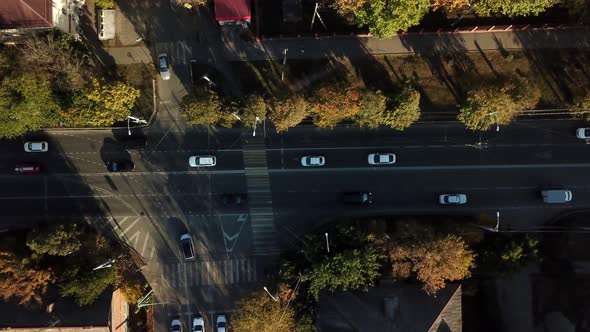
[27, 168]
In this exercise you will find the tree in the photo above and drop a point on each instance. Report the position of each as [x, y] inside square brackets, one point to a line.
[26, 103]
[105, 4]
[101, 105]
[203, 107]
[404, 111]
[386, 17]
[258, 312]
[449, 5]
[252, 107]
[498, 102]
[513, 7]
[506, 253]
[85, 286]
[582, 103]
[372, 106]
[288, 112]
[348, 270]
[21, 281]
[430, 257]
[58, 57]
[56, 240]
[129, 280]
[332, 104]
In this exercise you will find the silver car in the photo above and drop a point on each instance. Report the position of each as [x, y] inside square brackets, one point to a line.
[313, 161]
[36, 146]
[446, 199]
[381, 159]
[164, 66]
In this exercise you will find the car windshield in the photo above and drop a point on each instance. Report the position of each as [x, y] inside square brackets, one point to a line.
[187, 249]
[175, 328]
[587, 132]
[198, 328]
[163, 64]
[221, 324]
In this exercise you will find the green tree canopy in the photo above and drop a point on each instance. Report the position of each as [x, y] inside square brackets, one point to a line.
[203, 107]
[432, 258]
[85, 286]
[498, 102]
[101, 105]
[55, 240]
[26, 103]
[404, 109]
[513, 7]
[20, 280]
[288, 112]
[372, 106]
[251, 107]
[258, 312]
[384, 17]
[348, 270]
[504, 254]
[128, 278]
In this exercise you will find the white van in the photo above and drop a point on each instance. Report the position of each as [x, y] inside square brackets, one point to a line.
[556, 196]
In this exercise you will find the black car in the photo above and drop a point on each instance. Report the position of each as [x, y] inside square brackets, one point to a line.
[234, 199]
[358, 198]
[120, 166]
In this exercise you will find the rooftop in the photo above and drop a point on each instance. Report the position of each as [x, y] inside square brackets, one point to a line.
[19, 14]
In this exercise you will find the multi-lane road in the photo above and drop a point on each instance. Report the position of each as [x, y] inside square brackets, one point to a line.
[149, 207]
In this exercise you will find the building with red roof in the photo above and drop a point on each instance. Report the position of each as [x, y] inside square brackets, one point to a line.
[231, 11]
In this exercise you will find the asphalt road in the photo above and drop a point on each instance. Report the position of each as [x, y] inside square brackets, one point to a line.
[163, 197]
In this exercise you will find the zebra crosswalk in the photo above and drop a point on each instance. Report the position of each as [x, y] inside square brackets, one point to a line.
[179, 51]
[228, 271]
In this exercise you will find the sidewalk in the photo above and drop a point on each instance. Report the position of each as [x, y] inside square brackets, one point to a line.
[238, 49]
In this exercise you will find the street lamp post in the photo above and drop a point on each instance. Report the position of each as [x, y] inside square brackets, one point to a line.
[327, 242]
[135, 120]
[495, 114]
[269, 294]
[255, 122]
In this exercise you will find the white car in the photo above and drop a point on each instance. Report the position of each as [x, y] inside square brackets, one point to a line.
[221, 323]
[583, 133]
[202, 161]
[198, 324]
[313, 161]
[36, 146]
[381, 158]
[164, 66]
[446, 199]
[176, 326]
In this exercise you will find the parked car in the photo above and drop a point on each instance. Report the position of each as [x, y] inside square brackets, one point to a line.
[221, 323]
[36, 146]
[234, 199]
[202, 161]
[381, 158]
[358, 198]
[313, 161]
[176, 326]
[120, 166]
[583, 133]
[198, 324]
[449, 199]
[27, 168]
[556, 196]
[164, 66]
[186, 243]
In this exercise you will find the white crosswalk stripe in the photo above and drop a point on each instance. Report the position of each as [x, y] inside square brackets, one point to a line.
[179, 51]
[208, 273]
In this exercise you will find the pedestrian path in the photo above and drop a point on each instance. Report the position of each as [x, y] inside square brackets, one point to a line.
[238, 49]
[260, 197]
[225, 271]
